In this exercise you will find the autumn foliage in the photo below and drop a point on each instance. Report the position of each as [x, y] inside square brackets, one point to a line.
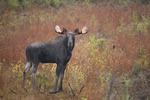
[106, 62]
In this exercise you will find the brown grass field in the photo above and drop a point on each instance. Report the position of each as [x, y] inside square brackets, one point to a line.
[111, 62]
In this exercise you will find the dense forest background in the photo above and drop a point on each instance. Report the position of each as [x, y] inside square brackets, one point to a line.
[111, 62]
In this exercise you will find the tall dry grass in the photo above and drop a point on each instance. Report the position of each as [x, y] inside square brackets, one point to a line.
[91, 65]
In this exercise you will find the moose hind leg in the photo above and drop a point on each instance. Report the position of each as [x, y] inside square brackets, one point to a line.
[28, 66]
[34, 69]
[61, 80]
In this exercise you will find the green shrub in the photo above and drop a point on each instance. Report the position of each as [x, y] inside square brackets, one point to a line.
[25, 3]
[140, 25]
[121, 1]
[142, 1]
[96, 43]
[71, 1]
[94, 22]
[137, 25]
[12, 3]
[42, 82]
[122, 27]
[142, 55]
[97, 56]
[94, 1]
[76, 76]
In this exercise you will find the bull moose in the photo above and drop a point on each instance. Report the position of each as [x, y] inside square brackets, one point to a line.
[57, 51]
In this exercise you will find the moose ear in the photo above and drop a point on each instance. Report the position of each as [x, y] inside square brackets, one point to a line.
[64, 31]
[76, 31]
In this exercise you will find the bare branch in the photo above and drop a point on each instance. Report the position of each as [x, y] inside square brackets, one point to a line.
[81, 89]
[12, 91]
[71, 89]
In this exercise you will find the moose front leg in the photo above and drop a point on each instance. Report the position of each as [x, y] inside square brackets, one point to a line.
[58, 71]
[61, 81]
[56, 82]
[61, 77]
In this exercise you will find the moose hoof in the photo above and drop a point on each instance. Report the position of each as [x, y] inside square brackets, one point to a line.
[60, 90]
[53, 92]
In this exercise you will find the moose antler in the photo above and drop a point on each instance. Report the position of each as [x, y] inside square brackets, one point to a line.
[58, 30]
[84, 30]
